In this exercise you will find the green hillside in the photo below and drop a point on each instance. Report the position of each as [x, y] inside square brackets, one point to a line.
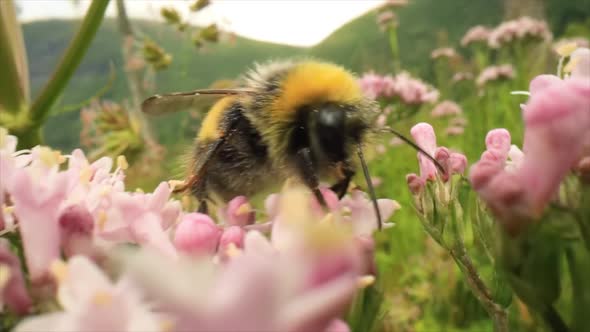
[358, 45]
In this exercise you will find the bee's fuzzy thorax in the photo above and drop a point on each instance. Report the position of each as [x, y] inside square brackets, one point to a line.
[312, 82]
[210, 126]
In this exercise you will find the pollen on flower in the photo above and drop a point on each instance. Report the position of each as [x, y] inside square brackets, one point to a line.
[328, 219]
[8, 209]
[86, 174]
[566, 49]
[122, 162]
[50, 157]
[4, 275]
[175, 183]
[571, 65]
[102, 219]
[244, 209]
[59, 270]
[167, 325]
[102, 298]
[3, 135]
[106, 190]
[232, 250]
[365, 281]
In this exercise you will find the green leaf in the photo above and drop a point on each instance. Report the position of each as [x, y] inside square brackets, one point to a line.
[578, 259]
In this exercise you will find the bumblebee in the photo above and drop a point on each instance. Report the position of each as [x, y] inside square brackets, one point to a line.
[305, 119]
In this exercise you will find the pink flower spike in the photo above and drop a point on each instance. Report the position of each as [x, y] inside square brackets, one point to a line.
[238, 212]
[424, 136]
[197, 234]
[12, 290]
[482, 172]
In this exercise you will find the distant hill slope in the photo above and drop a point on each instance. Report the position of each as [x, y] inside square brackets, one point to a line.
[358, 45]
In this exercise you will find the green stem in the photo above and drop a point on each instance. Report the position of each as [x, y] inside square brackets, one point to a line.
[479, 289]
[393, 43]
[14, 84]
[554, 320]
[69, 62]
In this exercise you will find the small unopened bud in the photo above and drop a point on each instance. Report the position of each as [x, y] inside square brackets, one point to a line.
[415, 183]
[197, 234]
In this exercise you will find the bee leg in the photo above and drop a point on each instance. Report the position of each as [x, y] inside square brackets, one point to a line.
[203, 208]
[305, 165]
[341, 187]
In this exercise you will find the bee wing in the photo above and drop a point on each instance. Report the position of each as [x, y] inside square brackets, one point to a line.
[181, 101]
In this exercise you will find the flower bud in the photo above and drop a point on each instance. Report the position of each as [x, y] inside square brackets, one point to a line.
[239, 212]
[197, 234]
[233, 234]
[12, 284]
[76, 224]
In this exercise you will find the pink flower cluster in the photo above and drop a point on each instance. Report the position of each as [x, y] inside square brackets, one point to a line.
[556, 140]
[477, 33]
[189, 271]
[444, 52]
[446, 108]
[462, 76]
[495, 73]
[452, 162]
[524, 27]
[403, 86]
[508, 32]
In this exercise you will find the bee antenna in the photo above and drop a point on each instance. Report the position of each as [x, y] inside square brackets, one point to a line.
[416, 147]
[370, 186]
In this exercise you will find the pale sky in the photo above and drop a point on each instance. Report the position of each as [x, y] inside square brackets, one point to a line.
[295, 22]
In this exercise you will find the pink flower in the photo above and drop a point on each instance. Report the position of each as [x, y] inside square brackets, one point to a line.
[197, 234]
[475, 34]
[91, 302]
[446, 52]
[238, 212]
[580, 60]
[76, 226]
[36, 206]
[495, 73]
[424, 136]
[139, 218]
[362, 212]
[452, 162]
[557, 126]
[446, 108]
[302, 287]
[12, 284]
[524, 27]
[462, 76]
[232, 235]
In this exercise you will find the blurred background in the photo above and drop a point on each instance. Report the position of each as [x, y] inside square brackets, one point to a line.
[144, 47]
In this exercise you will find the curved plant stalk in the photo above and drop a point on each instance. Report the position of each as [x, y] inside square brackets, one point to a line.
[133, 77]
[69, 62]
[14, 81]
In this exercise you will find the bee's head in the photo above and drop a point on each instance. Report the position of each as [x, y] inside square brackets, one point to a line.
[333, 130]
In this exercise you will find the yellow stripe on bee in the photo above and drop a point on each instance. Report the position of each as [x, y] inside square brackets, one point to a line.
[315, 82]
[210, 126]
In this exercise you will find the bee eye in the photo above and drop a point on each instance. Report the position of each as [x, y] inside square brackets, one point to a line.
[331, 118]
